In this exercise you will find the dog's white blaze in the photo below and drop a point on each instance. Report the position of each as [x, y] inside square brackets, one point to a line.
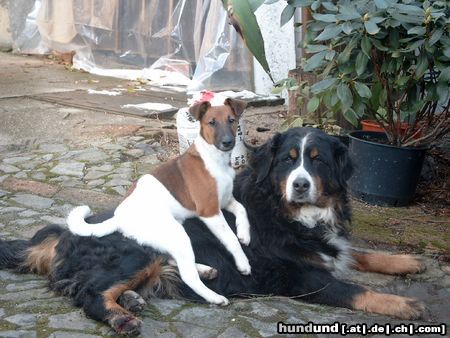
[310, 215]
[301, 172]
[217, 100]
[217, 163]
[341, 264]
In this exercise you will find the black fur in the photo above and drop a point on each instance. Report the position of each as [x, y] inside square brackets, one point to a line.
[284, 254]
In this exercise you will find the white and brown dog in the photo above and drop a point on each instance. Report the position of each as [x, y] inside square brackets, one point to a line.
[197, 183]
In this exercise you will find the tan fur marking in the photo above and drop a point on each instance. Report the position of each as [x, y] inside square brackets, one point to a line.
[150, 273]
[385, 304]
[40, 258]
[188, 180]
[387, 264]
[314, 153]
[293, 153]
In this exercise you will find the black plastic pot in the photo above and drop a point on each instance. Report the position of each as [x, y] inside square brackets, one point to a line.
[384, 174]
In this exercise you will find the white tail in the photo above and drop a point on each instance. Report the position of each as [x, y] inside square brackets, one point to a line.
[77, 224]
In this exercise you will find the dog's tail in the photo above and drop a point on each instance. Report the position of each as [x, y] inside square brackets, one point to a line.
[34, 255]
[12, 253]
[78, 225]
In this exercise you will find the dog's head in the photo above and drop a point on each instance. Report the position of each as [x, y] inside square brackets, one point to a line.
[305, 166]
[218, 123]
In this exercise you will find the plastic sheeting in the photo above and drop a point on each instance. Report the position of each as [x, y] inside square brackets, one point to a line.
[170, 42]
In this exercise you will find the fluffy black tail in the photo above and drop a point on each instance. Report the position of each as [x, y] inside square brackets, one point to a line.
[12, 253]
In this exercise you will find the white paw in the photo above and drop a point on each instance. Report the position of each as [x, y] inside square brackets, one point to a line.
[243, 230]
[244, 267]
[219, 300]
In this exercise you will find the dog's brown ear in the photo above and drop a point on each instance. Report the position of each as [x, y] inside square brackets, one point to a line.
[199, 109]
[238, 106]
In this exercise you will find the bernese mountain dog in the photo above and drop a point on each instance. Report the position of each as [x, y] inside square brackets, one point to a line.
[294, 190]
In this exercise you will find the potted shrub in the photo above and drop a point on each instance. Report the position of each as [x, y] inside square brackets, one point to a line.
[387, 60]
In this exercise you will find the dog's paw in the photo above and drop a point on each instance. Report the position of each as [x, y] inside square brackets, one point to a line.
[411, 265]
[206, 271]
[244, 237]
[132, 301]
[244, 267]
[409, 308]
[220, 300]
[125, 324]
[243, 230]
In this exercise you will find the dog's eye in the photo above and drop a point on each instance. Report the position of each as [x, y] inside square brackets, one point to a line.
[289, 159]
[231, 120]
[212, 123]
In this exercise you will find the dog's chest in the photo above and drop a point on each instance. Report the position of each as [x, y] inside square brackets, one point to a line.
[224, 177]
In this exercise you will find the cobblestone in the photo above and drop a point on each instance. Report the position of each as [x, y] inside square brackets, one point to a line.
[33, 201]
[69, 169]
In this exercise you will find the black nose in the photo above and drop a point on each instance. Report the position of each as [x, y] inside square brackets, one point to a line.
[301, 185]
[227, 144]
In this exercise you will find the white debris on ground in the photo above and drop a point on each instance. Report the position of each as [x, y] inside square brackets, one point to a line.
[162, 107]
[104, 92]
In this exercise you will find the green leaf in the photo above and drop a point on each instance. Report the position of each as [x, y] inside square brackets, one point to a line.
[315, 48]
[345, 95]
[363, 90]
[244, 21]
[443, 92]
[351, 116]
[378, 45]
[347, 12]
[301, 3]
[409, 9]
[329, 6]
[377, 19]
[287, 14]
[435, 36]
[445, 75]
[254, 4]
[314, 61]
[371, 27]
[324, 17]
[322, 85]
[330, 55]
[413, 46]
[422, 65]
[447, 52]
[344, 56]
[313, 104]
[402, 80]
[366, 46]
[347, 28]
[417, 30]
[381, 4]
[330, 31]
[361, 63]
[315, 5]
[402, 18]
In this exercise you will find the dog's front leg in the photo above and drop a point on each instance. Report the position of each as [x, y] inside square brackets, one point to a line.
[220, 228]
[242, 223]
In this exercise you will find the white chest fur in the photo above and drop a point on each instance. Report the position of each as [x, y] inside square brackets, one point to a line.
[218, 165]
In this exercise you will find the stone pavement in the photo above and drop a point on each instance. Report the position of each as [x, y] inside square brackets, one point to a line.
[85, 157]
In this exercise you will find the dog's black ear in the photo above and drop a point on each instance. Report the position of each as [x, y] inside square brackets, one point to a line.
[261, 158]
[344, 163]
[199, 109]
[238, 106]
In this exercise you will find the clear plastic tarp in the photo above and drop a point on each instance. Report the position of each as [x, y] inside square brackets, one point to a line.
[186, 43]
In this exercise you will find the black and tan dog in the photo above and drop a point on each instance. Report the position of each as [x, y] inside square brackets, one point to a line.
[295, 193]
